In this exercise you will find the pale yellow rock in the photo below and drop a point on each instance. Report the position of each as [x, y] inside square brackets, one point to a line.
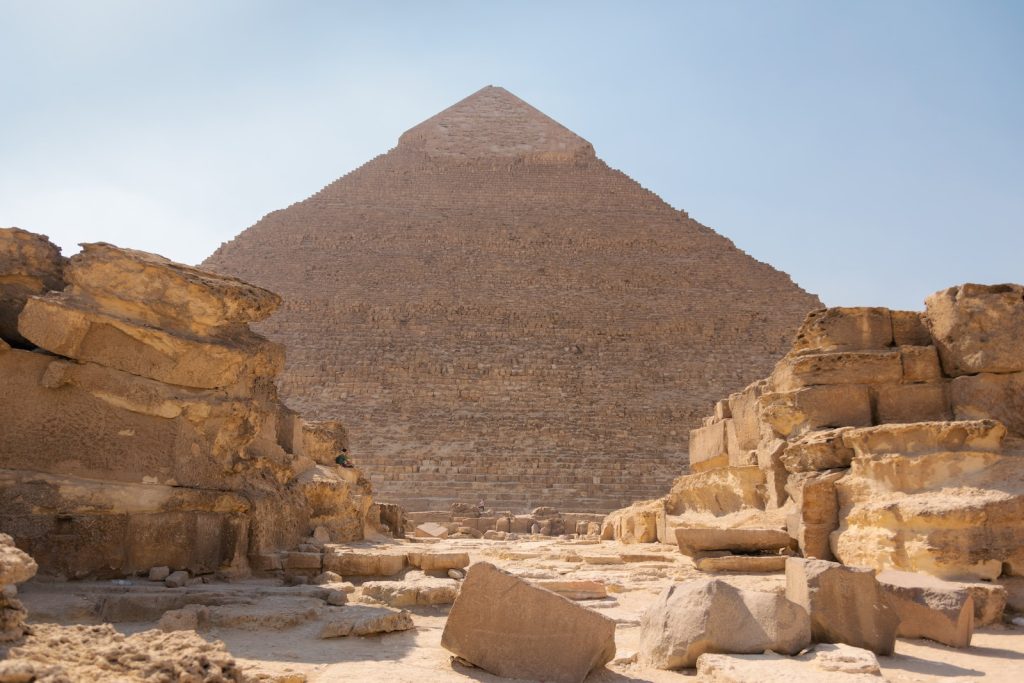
[821, 450]
[816, 511]
[978, 328]
[692, 541]
[435, 561]
[709, 447]
[364, 620]
[637, 523]
[926, 437]
[431, 530]
[792, 413]
[845, 329]
[741, 564]
[576, 590]
[354, 562]
[838, 367]
[718, 492]
[151, 289]
[826, 663]
[743, 407]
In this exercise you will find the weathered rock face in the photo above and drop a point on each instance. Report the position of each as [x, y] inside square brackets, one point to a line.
[145, 429]
[29, 264]
[513, 629]
[876, 453]
[495, 313]
[692, 618]
[15, 567]
[930, 608]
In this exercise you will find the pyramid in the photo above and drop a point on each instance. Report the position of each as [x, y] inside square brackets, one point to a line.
[496, 314]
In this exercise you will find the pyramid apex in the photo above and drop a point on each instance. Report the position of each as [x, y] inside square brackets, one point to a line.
[492, 122]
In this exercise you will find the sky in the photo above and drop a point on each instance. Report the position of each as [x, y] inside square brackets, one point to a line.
[873, 150]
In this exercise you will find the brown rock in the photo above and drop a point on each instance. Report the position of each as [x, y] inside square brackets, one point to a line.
[929, 607]
[576, 590]
[29, 265]
[506, 626]
[920, 364]
[978, 328]
[701, 616]
[909, 329]
[364, 620]
[353, 562]
[846, 604]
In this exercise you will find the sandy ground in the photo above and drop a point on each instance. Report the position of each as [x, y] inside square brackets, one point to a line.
[634, 574]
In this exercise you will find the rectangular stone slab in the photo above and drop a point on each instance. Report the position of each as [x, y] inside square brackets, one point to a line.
[695, 540]
[510, 628]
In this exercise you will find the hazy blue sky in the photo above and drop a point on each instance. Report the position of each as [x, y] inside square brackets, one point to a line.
[872, 150]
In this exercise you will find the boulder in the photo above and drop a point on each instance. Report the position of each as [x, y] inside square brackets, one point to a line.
[357, 562]
[415, 589]
[159, 573]
[718, 492]
[29, 265]
[176, 579]
[364, 620]
[693, 541]
[978, 328]
[512, 629]
[826, 663]
[929, 607]
[845, 329]
[637, 523]
[16, 566]
[438, 562]
[695, 617]
[845, 604]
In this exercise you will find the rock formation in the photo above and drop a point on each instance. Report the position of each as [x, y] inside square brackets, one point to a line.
[141, 425]
[884, 439]
[15, 567]
[496, 313]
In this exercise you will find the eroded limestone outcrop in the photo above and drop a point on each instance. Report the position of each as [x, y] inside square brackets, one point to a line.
[883, 439]
[143, 427]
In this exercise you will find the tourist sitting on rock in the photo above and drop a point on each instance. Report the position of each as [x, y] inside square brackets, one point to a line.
[343, 460]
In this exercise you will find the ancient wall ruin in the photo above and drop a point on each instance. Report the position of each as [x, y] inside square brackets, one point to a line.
[884, 439]
[495, 313]
[141, 425]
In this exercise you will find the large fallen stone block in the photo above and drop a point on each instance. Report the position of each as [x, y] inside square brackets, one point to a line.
[693, 541]
[65, 326]
[845, 329]
[355, 562]
[510, 628]
[978, 328]
[433, 561]
[695, 617]
[929, 607]
[987, 395]
[16, 566]
[714, 563]
[826, 663]
[839, 367]
[413, 590]
[29, 265]
[430, 530]
[792, 413]
[364, 620]
[845, 604]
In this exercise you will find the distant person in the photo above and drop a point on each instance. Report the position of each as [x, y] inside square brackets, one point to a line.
[343, 460]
